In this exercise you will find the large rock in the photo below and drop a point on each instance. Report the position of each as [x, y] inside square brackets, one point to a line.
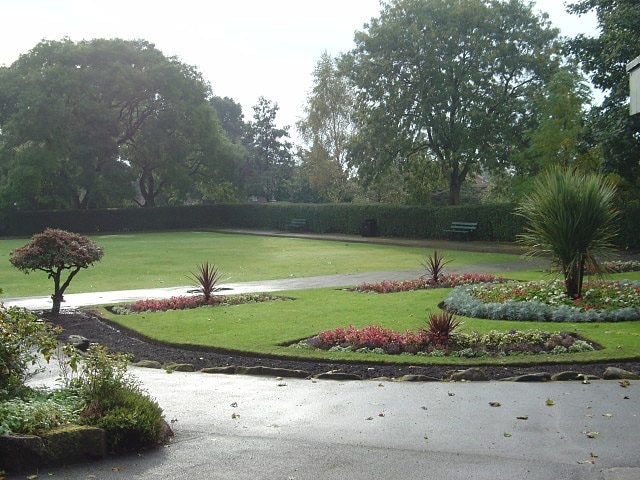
[71, 444]
[614, 373]
[337, 376]
[417, 378]
[470, 375]
[80, 342]
[530, 377]
[179, 367]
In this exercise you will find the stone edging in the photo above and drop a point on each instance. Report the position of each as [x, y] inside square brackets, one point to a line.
[475, 374]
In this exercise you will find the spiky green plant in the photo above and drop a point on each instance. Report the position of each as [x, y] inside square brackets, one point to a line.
[571, 217]
[207, 277]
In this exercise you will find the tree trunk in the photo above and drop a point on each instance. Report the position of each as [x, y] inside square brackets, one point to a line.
[57, 296]
[147, 185]
[573, 278]
[455, 183]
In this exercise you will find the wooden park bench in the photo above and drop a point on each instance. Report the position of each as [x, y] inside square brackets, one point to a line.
[296, 224]
[462, 229]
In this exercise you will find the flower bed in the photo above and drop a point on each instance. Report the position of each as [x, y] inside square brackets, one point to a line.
[602, 301]
[376, 339]
[196, 301]
[444, 281]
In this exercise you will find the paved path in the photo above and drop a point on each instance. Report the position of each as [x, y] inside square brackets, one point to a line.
[75, 300]
[242, 427]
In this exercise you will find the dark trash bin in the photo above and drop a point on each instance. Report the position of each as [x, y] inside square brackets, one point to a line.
[369, 228]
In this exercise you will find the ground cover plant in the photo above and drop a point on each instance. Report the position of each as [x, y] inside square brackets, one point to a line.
[601, 301]
[156, 260]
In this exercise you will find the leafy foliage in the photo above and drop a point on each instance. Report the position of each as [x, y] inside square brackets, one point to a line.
[24, 339]
[38, 411]
[604, 58]
[114, 400]
[83, 121]
[54, 251]
[446, 83]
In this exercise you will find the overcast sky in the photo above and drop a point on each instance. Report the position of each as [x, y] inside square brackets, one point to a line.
[244, 48]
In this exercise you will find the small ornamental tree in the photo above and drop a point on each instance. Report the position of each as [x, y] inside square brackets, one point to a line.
[54, 251]
[570, 217]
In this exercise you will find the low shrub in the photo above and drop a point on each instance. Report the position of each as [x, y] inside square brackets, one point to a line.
[132, 420]
[25, 339]
[115, 401]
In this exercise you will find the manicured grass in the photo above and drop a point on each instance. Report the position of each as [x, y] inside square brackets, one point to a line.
[152, 260]
[265, 328]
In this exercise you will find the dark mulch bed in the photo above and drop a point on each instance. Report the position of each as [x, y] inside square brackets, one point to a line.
[116, 339]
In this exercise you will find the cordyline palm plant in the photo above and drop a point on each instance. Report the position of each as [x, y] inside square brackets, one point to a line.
[570, 217]
[207, 278]
[434, 265]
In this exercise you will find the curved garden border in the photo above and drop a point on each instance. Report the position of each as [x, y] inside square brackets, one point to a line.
[461, 302]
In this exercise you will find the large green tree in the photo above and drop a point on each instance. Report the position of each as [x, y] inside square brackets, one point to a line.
[447, 80]
[79, 119]
[604, 58]
[269, 163]
[326, 128]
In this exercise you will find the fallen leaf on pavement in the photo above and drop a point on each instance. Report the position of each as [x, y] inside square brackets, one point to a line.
[592, 434]
[523, 417]
[549, 402]
[494, 404]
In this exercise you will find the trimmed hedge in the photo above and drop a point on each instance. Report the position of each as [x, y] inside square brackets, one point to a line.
[496, 222]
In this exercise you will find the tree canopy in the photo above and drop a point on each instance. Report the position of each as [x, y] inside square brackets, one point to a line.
[447, 81]
[604, 58]
[54, 251]
[79, 122]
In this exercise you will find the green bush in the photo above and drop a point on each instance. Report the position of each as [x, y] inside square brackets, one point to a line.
[131, 419]
[25, 339]
[496, 222]
[115, 401]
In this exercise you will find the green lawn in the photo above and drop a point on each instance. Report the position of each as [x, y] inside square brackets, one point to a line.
[264, 328]
[151, 260]
[148, 260]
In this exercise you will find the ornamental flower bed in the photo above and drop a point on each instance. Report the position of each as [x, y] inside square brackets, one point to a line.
[188, 302]
[602, 301]
[376, 339]
[424, 283]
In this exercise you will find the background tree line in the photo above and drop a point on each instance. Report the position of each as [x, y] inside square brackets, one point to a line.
[439, 101]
